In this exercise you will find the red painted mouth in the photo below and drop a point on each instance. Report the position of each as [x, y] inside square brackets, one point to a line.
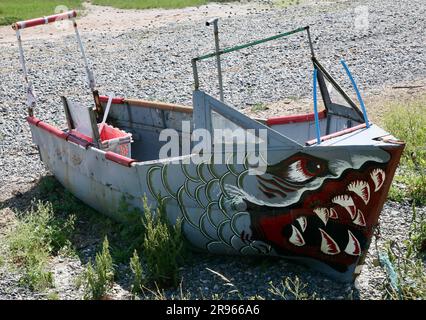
[332, 224]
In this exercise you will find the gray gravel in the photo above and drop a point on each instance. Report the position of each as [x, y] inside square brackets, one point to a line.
[155, 64]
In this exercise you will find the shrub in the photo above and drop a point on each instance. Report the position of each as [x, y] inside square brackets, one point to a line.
[138, 277]
[38, 235]
[162, 247]
[98, 278]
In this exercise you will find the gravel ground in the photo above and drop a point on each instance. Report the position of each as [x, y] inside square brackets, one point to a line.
[154, 63]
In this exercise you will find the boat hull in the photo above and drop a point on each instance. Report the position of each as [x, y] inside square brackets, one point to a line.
[323, 216]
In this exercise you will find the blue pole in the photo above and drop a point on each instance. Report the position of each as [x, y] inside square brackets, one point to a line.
[317, 125]
[361, 102]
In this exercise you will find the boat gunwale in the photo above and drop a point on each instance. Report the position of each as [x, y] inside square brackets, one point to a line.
[149, 104]
[298, 118]
[129, 162]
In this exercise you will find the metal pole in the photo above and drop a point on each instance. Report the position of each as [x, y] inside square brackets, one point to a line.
[89, 73]
[216, 40]
[310, 42]
[195, 72]
[90, 77]
[317, 124]
[31, 99]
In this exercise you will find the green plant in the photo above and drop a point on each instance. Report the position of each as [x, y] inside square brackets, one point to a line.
[132, 232]
[36, 237]
[286, 3]
[227, 282]
[409, 279]
[291, 289]
[138, 277]
[417, 236]
[98, 278]
[53, 296]
[408, 123]
[409, 184]
[163, 246]
[259, 107]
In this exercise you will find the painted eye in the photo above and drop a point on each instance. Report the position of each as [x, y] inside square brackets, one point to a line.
[313, 168]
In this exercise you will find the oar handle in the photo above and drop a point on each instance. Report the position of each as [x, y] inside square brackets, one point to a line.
[44, 20]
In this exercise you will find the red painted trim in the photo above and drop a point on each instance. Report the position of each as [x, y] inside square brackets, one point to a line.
[336, 134]
[114, 100]
[33, 120]
[84, 143]
[295, 119]
[52, 130]
[124, 161]
[81, 136]
[39, 21]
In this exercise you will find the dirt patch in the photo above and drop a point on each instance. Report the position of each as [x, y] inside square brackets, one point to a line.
[99, 19]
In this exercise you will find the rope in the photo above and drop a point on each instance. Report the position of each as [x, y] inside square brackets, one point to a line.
[390, 271]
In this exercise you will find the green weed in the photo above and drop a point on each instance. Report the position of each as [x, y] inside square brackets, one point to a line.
[408, 123]
[137, 271]
[98, 278]
[36, 237]
[162, 248]
[259, 107]
[291, 289]
[408, 263]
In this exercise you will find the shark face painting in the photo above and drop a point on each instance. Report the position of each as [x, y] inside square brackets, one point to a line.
[304, 207]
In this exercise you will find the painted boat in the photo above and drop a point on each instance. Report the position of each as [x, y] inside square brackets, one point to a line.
[315, 199]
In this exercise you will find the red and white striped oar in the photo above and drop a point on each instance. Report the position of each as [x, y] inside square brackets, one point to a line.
[45, 20]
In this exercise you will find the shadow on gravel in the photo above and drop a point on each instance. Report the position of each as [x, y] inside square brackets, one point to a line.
[204, 276]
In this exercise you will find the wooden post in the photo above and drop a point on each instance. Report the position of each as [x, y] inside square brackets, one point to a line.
[96, 137]
[70, 123]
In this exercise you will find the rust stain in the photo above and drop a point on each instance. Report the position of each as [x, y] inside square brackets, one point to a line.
[76, 160]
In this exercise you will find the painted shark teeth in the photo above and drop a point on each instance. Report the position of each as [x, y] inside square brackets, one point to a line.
[303, 223]
[353, 247]
[296, 237]
[333, 214]
[378, 177]
[360, 188]
[323, 214]
[346, 202]
[359, 219]
[328, 245]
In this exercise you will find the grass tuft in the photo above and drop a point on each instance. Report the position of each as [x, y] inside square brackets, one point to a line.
[291, 289]
[408, 123]
[259, 107]
[36, 237]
